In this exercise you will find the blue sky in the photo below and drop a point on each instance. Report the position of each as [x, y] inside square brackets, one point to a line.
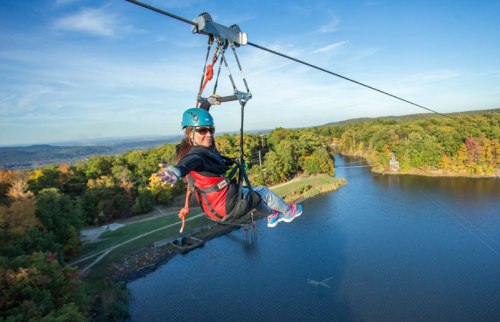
[80, 69]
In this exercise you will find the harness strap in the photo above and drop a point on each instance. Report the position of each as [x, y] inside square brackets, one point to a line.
[215, 188]
[219, 185]
[208, 204]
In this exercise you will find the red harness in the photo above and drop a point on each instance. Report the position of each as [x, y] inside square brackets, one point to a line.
[211, 193]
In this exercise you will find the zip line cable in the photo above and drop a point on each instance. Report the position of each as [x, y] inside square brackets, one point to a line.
[289, 57]
[343, 77]
[163, 12]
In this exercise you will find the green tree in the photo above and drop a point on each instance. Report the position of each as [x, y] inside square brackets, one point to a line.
[144, 202]
[37, 288]
[61, 216]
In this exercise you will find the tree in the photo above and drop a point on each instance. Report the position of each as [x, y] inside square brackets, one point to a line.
[272, 167]
[61, 216]
[46, 177]
[7, 178]
[98, 166]
[144, 201]
[37, 288]
[164, 193]
[473, 149]
[285, 153]
[17, 217]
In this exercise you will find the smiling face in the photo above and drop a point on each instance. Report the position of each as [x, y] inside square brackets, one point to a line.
[204, 135]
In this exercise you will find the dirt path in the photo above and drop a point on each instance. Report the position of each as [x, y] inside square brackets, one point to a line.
[92, 235]
[288, 182]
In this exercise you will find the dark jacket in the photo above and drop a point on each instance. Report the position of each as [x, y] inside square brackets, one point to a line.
[206, 166]
[205, 161]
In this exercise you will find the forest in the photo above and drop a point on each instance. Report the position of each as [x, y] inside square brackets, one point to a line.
[464, 145]
[43, 210]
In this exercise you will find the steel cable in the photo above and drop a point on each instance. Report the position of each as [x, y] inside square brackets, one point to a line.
[290, 58]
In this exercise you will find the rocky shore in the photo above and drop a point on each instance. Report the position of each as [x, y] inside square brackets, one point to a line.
[149, 259]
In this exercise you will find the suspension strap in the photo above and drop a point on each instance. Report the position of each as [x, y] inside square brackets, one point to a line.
[209, 74]
[202, 86]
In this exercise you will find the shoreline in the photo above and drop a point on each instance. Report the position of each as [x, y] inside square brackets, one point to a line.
[423, 173]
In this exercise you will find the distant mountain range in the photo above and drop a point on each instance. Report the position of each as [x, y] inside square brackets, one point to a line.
[39, 155]
[34, 156]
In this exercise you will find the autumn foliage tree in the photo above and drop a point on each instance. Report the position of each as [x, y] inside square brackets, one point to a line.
[37, 288]
[467, 145]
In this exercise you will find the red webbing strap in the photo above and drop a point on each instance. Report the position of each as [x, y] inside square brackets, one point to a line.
[184, 211]
[209, 74]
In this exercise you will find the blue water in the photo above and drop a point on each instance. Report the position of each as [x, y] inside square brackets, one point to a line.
[384, 248]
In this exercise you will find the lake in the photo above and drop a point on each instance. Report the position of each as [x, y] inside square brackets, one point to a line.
[384, 248]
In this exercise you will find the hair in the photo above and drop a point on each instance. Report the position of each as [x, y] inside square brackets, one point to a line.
[186, 144]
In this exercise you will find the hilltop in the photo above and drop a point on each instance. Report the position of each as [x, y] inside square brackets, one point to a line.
[401, 118]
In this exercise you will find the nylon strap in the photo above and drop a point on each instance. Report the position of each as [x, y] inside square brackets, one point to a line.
[209, 205]
[215, 188]
[210, 41]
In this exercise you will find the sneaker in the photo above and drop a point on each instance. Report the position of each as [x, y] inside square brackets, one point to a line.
[295, 211]
[275, 218]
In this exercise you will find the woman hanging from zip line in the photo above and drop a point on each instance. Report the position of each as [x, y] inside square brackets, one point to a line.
[199, 160]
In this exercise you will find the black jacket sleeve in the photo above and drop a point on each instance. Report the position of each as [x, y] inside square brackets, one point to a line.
[191, 162]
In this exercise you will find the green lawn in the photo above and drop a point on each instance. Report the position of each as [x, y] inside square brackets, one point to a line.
[296, 188]
[130, 231]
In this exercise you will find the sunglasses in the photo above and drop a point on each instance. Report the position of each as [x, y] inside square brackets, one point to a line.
[205, 130]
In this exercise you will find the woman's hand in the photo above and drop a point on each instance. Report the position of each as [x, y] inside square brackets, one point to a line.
[213, 99]
[170, 174]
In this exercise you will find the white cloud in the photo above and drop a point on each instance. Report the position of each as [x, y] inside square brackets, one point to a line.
[363, 54]
[89, 20]
[302, 8]
[328, 48]
[25, 101]
[437, 75]
[331, 27]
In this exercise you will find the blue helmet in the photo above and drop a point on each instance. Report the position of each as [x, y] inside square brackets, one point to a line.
[196, 117]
